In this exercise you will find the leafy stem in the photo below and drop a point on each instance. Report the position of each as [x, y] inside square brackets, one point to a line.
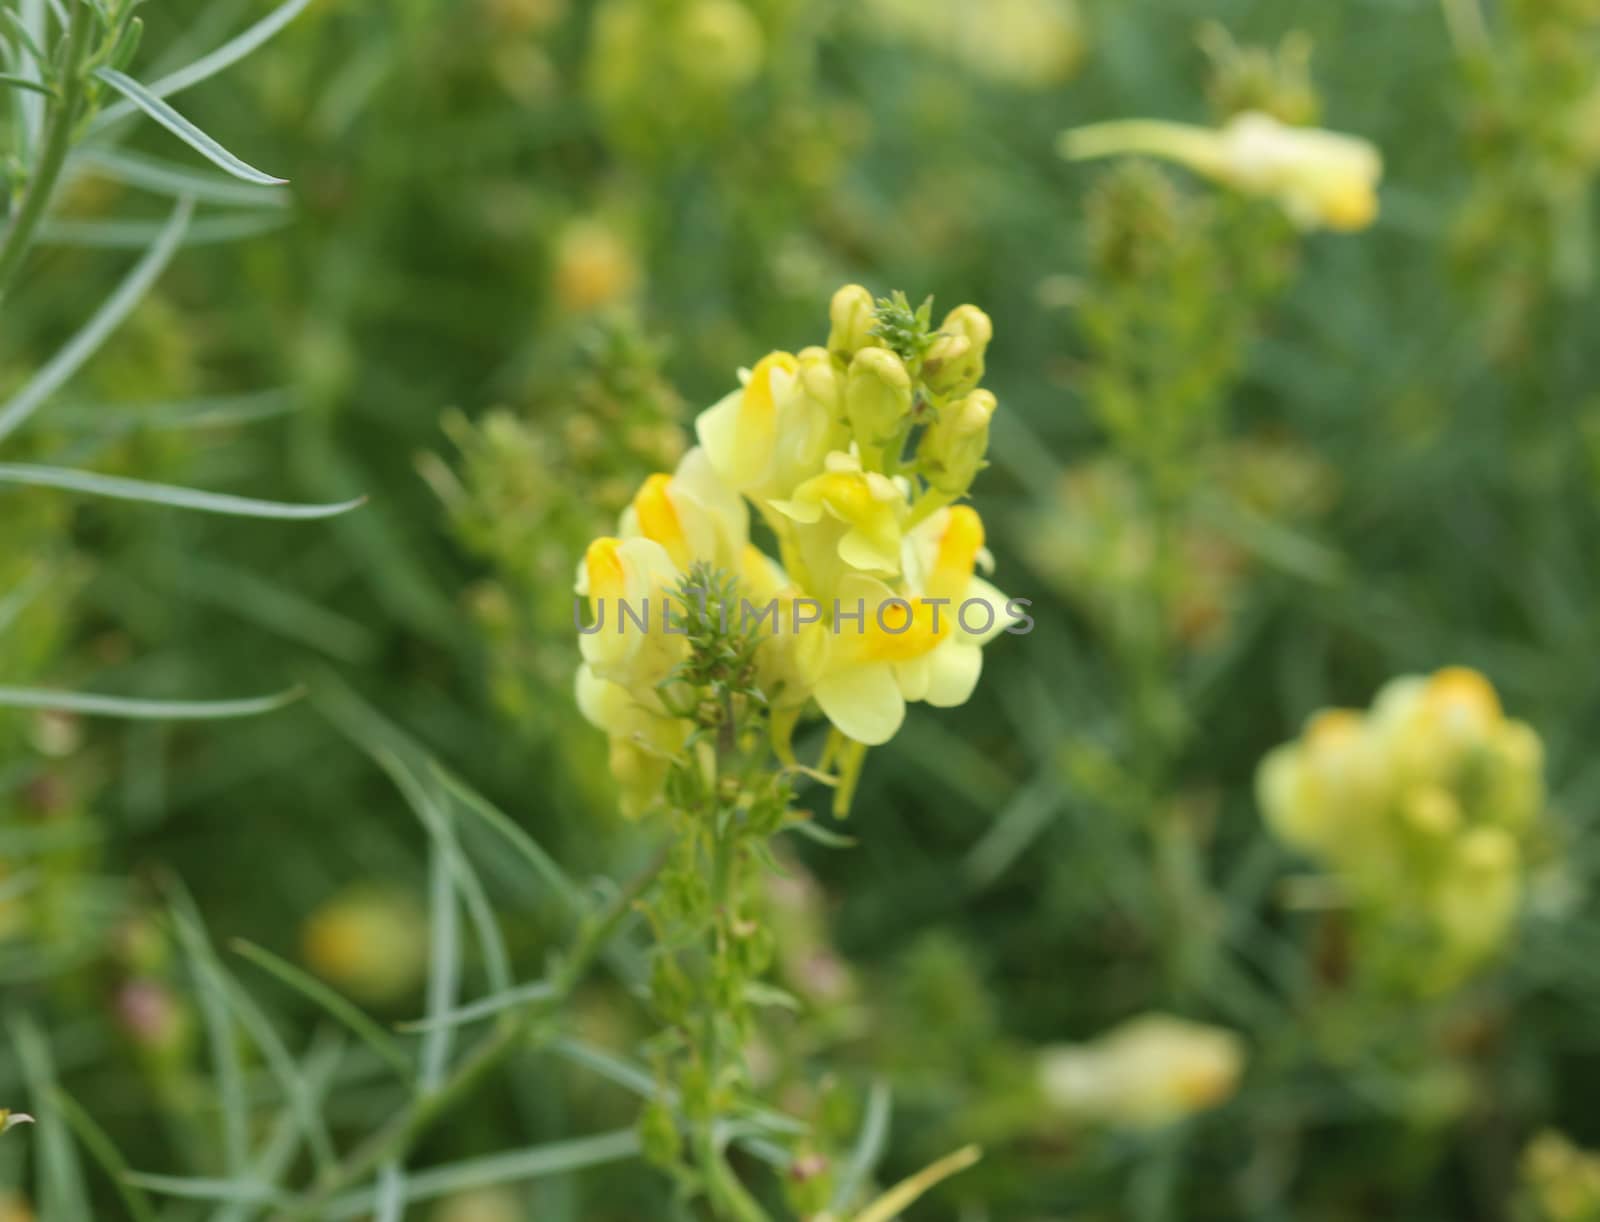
[61, 118]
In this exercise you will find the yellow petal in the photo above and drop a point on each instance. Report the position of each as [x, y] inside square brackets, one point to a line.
[953, 670]
[864, 702]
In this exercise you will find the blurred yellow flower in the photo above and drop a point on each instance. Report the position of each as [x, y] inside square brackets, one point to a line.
[480, 1205]
[1421, 807]
[594, 267]
[1035, 44]
[1148, 1072]
[1560, 1181]
[1321, 179]
[369, 941]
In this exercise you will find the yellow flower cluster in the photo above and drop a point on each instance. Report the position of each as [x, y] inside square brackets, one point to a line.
[1145, 1073]
[1559, 1181]
[1321, 179]
[1423, 806]
[854, 456]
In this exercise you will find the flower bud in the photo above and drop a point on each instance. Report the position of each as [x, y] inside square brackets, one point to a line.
[877, 397]
[974, 324]
[153, 1017]
[950, 366]
[853, 317]
[952, 450]
[821, 380]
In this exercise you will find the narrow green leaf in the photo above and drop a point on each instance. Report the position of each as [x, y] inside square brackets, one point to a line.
[227, 1065]
[105, 1152]
[212, 411]
[24, 39]
[11, 80]
[390, 1205]
[555, 1158]
[169, 178]
[95, 705]
[543, 864]
[277, 609]
[868, 1150]
[436, 822]
[196, 1188]
[278, 1152]
[136, 235]
[444, 970]
[339, 1009]
[186, 131]
[192, 933]
[224, 57]
[62, 1191]
[106, 319]
[486, 1007]
[117, 488]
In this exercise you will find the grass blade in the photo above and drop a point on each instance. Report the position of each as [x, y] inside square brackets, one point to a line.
[117, 488]
[191, 932]
[391, 1202]
[553, 876]
[196, 1188]
[337, 1008]
[136, 235]
[212, 411]
[487, 1007]
[226, 1063]
[868, 1149]
[168, 178]
[444, 970]
[184, 130]
[436, 821]
[224, 57]
[106, 319]
[278, 1151]
[159, 710]
[555, 1158]
[62, 1192]
[99, 1144]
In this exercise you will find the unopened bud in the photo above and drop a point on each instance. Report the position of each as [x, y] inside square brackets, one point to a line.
[877, 397]
[953, 450]
[950, 366]
[853, 317]
[974, 324]
[822, 380]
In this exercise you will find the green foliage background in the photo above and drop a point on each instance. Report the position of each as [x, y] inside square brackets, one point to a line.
[1003, 892]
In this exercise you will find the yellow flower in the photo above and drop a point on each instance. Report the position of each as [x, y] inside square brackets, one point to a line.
[860, 514]
[1320, 178]
[888, 648]
[1420, 806]
[1148, 1072]
[773, 432]
[370, 941]
[594, 267]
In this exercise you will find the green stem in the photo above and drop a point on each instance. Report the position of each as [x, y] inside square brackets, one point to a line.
[396, 1138]
[61, 118]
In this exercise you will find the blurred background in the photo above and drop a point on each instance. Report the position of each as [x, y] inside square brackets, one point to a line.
[1243, 472]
